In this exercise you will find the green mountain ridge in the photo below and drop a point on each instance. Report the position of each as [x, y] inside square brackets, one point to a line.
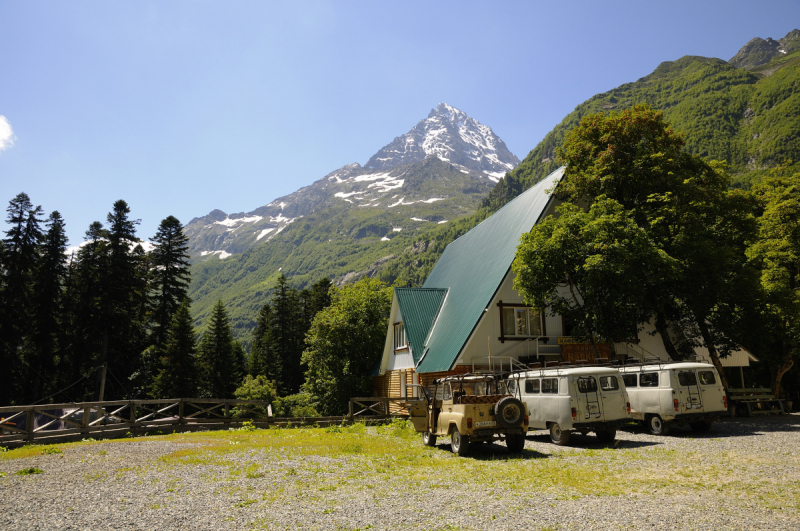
[748, 118]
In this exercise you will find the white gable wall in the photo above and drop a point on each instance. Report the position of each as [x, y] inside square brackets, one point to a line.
[392, 361]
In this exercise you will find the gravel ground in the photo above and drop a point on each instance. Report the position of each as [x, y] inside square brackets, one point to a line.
[126, 485]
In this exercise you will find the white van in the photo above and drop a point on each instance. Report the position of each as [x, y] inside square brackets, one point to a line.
[568, 399]
[666, 393]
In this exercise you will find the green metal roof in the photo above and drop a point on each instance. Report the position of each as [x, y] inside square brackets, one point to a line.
[419, 307]
[472, 267]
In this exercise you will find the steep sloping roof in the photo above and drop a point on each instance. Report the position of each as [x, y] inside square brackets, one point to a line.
[419, 307]
[472, 267]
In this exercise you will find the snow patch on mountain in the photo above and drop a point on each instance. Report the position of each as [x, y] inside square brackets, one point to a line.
[230, 222]
[263, 233]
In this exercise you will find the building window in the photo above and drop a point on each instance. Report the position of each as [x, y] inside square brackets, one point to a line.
[400, 337]
[521, 322]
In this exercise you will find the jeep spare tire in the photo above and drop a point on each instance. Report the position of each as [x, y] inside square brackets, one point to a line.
[509, 412]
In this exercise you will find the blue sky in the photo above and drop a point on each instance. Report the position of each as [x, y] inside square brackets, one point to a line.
[182, 107]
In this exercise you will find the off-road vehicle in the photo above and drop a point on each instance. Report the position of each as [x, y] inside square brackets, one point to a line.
[581, 399]
[470, 408]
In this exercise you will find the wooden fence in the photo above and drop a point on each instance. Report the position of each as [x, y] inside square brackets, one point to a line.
[55, 423]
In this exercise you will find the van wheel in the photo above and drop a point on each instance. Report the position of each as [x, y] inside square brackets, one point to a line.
[606, 436]
[459, 443]
[557, 436]
[515, 443]
[701, 426]
[429, 439]
[655, 425]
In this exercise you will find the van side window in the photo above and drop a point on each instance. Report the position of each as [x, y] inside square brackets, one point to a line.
[707, 377]
[609, 383]
[687, 378]
[448, 394]
[648, 379]
[550, 386]
[587, 384]
[532, 387]
[630, 380]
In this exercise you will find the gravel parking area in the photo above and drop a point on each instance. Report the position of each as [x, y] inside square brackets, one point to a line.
[742, 475]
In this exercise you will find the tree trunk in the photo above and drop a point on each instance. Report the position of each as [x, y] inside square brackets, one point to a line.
[786, 363]
[663, 331]
[712, 350]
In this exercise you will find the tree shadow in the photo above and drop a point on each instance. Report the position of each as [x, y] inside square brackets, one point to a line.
[732, 427]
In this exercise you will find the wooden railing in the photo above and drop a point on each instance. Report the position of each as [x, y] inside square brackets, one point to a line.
[53, 423]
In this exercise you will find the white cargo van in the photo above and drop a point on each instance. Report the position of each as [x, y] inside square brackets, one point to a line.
[567, 399]
[666, 393]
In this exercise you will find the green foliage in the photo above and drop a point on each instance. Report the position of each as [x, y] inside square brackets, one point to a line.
[776, 254]
[255, 388]
[604, 259]
[296, 405]
[344, 344]
[178, 374]
[219, 368]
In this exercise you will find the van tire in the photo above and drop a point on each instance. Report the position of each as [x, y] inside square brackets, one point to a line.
[428, 438]
[701, 426]
[557, 436]
[606, 436]
[655, 425]
[509, 412]
[515, 443]
[459, 444]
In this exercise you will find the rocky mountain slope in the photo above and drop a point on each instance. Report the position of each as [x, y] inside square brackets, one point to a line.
[395, 178]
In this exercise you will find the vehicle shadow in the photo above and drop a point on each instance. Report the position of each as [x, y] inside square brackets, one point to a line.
[589, 441]
[496, 451]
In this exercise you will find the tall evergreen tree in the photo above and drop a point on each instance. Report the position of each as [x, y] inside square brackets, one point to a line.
[170, 264]
[219, 369]
[122, 342]
[178, 374]
[44, 342]
[19, 263]
[287, 334]
[263, 357]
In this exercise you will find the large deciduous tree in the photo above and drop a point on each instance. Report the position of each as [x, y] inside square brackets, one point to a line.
[776, 253]
[684, 205]
[344, 344]
[592, 268]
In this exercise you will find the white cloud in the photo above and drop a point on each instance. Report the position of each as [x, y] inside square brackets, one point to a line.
[6, 134]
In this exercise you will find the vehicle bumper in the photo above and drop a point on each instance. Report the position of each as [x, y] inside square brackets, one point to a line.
[695, 417]
[594, 426]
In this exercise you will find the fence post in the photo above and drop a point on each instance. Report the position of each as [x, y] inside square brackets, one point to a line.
[86, 419]
[132, 412]
[350, 411]
[385, 407]
[29, 424]
[227, 413]
[180, 412]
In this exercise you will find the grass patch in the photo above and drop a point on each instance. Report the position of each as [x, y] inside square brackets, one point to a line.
[30, 471]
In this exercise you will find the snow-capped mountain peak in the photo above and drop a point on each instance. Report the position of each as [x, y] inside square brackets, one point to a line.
[452, 136]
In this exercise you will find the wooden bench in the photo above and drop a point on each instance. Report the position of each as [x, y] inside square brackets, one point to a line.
[761, 397]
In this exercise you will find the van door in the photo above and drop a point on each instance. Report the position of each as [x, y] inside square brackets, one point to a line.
[689, 391]
[711, 390]
[613, 398]
[443, 423]
[588, 399]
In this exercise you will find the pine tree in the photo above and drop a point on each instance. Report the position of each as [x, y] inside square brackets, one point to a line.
[263, 357]
[44, 343]
[19, 264]
[218, 366]
[287, 334]
[170, 263]
[178, 375]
